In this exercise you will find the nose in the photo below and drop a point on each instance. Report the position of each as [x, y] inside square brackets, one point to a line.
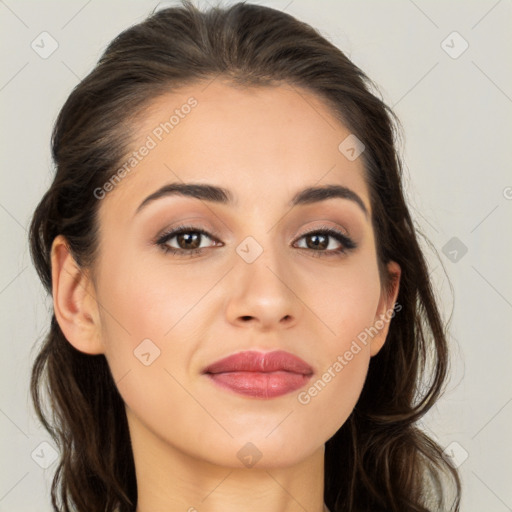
[262, 294]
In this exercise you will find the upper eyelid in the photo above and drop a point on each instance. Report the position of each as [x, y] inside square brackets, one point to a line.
[325, 227]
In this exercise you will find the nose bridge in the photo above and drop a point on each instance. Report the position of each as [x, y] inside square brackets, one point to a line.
[262, 260]
[263, 290]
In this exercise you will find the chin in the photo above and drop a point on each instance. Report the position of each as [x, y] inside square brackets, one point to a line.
[260, 453]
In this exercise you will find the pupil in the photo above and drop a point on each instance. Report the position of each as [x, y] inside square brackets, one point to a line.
[316, 243]
[187, 238]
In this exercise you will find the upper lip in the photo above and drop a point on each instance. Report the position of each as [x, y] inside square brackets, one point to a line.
[253, 361]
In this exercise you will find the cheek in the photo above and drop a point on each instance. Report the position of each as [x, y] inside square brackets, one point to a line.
[348, 307]
[142, 300]
[332, 396]
[150, 326]
[348, 300]
[143, 320]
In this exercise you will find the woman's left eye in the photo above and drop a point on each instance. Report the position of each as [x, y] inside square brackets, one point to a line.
[187, 241]
[322, 238]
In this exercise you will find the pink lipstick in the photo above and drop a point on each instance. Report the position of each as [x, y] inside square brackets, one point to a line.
[260, 375]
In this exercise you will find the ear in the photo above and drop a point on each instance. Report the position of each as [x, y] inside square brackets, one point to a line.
[74, 301]
[386, 309]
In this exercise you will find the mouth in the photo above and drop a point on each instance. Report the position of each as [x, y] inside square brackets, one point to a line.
[260, 375]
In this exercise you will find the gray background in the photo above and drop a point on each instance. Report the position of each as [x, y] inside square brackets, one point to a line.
[456, 109]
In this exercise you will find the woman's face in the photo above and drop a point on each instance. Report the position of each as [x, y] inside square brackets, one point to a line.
[262, 277]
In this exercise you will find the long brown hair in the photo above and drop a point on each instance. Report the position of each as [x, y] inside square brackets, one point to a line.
[379, 460]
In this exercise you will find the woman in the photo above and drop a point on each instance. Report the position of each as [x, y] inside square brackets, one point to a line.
[243, 318]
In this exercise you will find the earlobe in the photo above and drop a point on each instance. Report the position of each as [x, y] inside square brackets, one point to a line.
[74, 303]
[387, 307]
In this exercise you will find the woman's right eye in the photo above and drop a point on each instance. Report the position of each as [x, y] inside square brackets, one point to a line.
[184, 240]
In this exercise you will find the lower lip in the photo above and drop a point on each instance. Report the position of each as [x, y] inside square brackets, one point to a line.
[260, 385]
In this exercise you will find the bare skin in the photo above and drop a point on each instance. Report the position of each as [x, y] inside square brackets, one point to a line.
[264, 145]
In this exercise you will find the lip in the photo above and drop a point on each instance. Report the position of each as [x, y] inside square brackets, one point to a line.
[260, 375]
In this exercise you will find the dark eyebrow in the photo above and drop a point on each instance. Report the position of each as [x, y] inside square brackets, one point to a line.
[221, 195]
[198, 190]
[313, 194]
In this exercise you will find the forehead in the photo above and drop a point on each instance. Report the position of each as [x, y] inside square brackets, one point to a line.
[260, 142]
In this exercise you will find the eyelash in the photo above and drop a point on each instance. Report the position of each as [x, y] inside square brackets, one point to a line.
[347, 244]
